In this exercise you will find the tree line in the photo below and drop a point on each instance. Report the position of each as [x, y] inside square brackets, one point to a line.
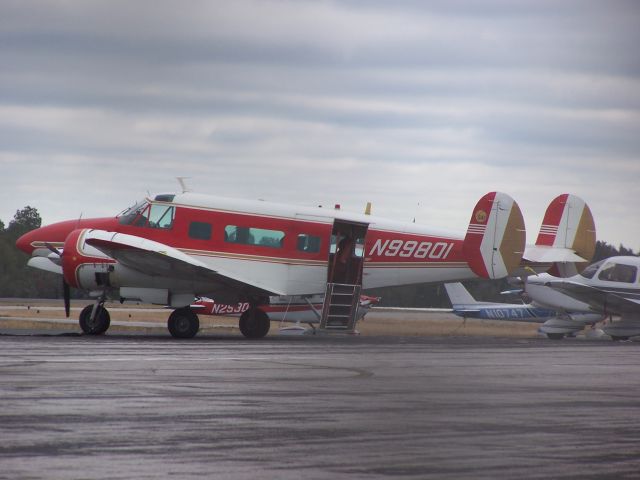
[17, 280]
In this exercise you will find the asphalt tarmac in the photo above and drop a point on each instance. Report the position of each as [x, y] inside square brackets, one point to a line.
[149, 407]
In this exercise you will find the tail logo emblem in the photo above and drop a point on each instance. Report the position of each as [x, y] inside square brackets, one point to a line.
[481, 216]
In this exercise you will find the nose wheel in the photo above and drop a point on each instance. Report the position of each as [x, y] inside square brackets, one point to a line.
[94, 323]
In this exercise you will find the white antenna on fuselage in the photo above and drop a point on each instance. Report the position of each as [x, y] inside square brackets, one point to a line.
[183, 184]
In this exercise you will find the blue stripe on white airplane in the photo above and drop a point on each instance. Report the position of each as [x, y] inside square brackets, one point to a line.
[514, 313]
[466, 306]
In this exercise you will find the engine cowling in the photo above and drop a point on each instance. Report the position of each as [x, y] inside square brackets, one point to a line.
[83, 266]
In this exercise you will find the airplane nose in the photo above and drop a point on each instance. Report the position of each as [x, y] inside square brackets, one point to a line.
[25, 241]
[37, 242]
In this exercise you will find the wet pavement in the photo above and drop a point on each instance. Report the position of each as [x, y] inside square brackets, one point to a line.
[126, 406]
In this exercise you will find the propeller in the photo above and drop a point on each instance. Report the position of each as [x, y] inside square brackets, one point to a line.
[53, 249]
[66, 290]
[66, 293]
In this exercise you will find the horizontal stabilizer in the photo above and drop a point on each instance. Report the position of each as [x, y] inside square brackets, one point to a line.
[541, 254]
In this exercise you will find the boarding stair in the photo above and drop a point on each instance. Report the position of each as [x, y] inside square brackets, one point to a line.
[340, 309]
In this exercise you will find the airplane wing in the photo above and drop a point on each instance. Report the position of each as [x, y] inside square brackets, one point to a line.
[157, 259]
[44, 263]
[147, 256]
[598, 299]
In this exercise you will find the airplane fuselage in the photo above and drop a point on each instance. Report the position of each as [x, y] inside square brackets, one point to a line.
[282, 249]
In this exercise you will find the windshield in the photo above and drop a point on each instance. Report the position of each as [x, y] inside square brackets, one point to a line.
[591, 270]
[130, 215]
[135, 208]
[151, 215]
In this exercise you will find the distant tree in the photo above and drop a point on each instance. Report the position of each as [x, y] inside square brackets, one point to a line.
[24, 221]
[605, 250]
[16, 278]
[625, 251]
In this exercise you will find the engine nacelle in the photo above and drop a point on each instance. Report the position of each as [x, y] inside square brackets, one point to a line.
[83, 266]
[87, 268]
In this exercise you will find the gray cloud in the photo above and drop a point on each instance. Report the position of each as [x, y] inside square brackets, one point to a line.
[420, 108]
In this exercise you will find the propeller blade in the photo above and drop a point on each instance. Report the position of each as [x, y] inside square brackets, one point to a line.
[53, 249]
[66, 292]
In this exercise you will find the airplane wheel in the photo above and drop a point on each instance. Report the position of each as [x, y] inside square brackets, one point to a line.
[99, 325]
[183, 323]
[254, 323]
[555, 336]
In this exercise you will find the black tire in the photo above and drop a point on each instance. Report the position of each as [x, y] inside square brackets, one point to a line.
[254, 323]
[555, 336]
[183, 323]
[100, 324]
[617, 338]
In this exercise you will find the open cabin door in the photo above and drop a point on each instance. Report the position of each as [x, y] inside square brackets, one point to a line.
[344, 276]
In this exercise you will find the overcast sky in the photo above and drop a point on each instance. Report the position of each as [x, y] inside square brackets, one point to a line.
[419, 107]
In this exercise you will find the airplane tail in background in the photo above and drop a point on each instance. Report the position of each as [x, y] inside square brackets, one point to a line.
[567, 237]
[495, 239]
[459, 295]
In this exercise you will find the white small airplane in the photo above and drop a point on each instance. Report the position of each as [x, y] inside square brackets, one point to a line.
[556, 322]
[609, 287]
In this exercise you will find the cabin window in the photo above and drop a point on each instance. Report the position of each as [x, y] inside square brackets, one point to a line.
[200, 230]
[308, 243]
[618, 272]
[253, 236]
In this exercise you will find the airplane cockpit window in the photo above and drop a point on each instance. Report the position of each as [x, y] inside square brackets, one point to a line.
[131, 214]
[161, 216]
[144, 214]
[591, 270]
[618, 272]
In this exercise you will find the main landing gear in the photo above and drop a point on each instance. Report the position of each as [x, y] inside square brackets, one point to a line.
[254, 323]
[183, 323]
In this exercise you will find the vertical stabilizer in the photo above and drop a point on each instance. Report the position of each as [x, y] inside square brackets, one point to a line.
[568, 224]
[459, 295]
[495, 239]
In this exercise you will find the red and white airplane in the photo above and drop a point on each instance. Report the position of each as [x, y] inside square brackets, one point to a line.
[172, 248]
